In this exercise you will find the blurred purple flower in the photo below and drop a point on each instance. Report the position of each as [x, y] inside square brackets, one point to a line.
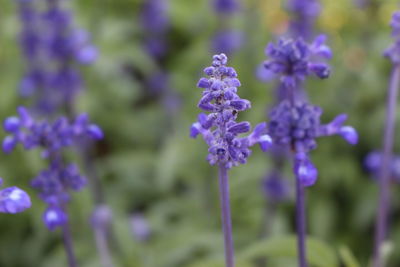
[140, 227]
[393, 52]
[227, 41]
[154, 16]
[297, 125]
[373, 163]
[304, 14]
[276, 187]
[13, 200]
[225, 6]
[54, 182]
[52, 47]
[293, 60]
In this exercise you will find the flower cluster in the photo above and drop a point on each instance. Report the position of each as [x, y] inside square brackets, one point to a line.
[294, 123]
[393, 52]
[13, 199]
[155, 22]
[373, 163]
[226, 39]
[219, 128]
[304, 15]
[51, 136]
[54, 182]
[297, 125]
[52, 47]
[293, 59]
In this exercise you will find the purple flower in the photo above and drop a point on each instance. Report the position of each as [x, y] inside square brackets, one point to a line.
[54, 217]
[373, 163]
[226, 6]
[101, 216]
[276, 187]
[227, 41]
[52, 47]
[155, 23]
[297, 125]
[293, 60]
[154, 15]
[13, 200]
[219, 128]
[393, 52]
[54, 183]
[140, 227]
[304, 14]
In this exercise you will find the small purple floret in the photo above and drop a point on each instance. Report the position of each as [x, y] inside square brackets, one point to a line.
[304, 169]
[11, 124]
[14, 200]
[292, 60]
[54, 217]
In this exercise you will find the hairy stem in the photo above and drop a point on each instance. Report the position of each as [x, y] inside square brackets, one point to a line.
[301, 224]
[226, 216]
[384, 174]
[67, 240]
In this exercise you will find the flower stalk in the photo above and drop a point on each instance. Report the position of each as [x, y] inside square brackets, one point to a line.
[68, 246]
[384, 174]
[301, 224]
[226, 216]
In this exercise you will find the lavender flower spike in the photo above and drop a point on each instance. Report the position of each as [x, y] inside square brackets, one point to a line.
[305, 13]
[393, 53]
[13, 200]
[295, 123]
[219, 128]
[293, 60]
[297, 126]
[56, 181]
[220, 131]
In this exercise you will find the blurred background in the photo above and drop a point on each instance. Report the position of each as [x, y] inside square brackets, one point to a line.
[162, 192]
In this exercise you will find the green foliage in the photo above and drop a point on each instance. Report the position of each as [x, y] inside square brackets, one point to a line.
[149, 165]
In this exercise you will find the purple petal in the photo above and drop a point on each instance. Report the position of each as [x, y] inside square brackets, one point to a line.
[321, 70]
[11, 124]
[95, 132]
[14, 200]
[54, 217]
[304, 170]
[240, 104]
[9, 144]
[241, 127]
[203, 83]
[87, 55]
[260, 129]
[195, 129]
[265, 142]
[349, 134]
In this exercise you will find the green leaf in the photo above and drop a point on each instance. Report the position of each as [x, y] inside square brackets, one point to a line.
[220, 263]
[319, 254]
[347, 257]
